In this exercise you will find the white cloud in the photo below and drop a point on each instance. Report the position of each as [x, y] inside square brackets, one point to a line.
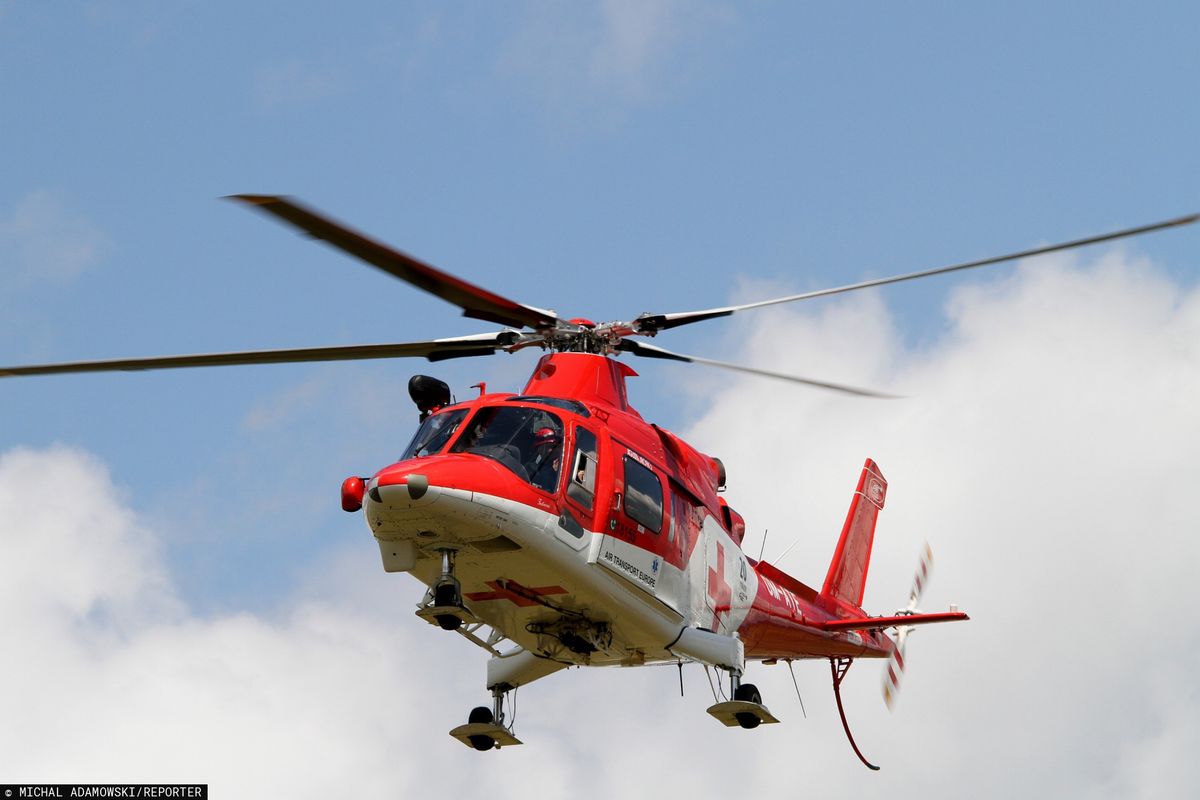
[622, 50]
[287, 406]
[106, 676]
[1046, 451]
[294, 83]
[44, 240]
[634, 34]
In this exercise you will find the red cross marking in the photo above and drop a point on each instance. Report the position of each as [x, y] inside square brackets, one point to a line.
[719, 590]
[518, 594]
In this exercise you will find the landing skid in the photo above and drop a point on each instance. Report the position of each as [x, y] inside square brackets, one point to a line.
[485, 728]
[500, 735]
[736, 713]
[437, 615]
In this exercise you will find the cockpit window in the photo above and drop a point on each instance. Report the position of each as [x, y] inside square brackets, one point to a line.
[433, 434]
[527, 441]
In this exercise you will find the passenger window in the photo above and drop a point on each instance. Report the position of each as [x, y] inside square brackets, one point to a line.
[643, 495]
[582, 486]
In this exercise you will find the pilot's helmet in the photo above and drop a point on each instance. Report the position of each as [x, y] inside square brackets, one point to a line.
[545, 438]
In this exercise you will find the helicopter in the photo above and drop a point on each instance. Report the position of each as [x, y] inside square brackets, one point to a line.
[557, 528]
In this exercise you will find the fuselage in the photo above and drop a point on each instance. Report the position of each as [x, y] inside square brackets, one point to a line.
[585, 534]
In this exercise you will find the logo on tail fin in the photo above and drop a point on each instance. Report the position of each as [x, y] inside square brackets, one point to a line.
[876, 490]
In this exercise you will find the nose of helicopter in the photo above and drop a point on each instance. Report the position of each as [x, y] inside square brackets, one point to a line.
[402, 488]
[422, 481]
[456, 496]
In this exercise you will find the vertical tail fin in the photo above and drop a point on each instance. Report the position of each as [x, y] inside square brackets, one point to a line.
[847, 578]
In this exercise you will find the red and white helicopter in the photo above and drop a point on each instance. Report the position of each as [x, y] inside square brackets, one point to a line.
[556, 527]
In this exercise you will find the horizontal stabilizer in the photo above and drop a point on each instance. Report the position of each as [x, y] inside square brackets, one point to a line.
[900, 620]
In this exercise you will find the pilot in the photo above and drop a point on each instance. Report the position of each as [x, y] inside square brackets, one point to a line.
[545, 457]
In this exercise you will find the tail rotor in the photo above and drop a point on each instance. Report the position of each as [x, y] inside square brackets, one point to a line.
[894, 673]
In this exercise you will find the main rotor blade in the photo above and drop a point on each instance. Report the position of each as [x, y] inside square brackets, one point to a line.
[434, 350]
[651, 351]
[475, 302]
[651, 323]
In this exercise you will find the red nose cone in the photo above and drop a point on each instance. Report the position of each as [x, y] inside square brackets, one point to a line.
[352, 493]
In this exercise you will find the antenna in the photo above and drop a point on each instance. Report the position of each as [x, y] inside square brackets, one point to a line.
[798, 697]
[763, 546]
[785, 552]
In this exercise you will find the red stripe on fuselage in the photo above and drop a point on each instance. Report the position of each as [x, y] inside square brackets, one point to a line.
[515, 592]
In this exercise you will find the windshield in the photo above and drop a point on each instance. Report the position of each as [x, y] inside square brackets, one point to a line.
[527, 441]
[433, 434]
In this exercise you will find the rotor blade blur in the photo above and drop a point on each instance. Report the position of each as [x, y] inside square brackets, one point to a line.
[920, 578]
[651, 351]
[434, 350]
[651, 323]
[476, 302]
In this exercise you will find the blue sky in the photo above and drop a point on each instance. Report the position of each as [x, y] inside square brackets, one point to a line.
[600, 159]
